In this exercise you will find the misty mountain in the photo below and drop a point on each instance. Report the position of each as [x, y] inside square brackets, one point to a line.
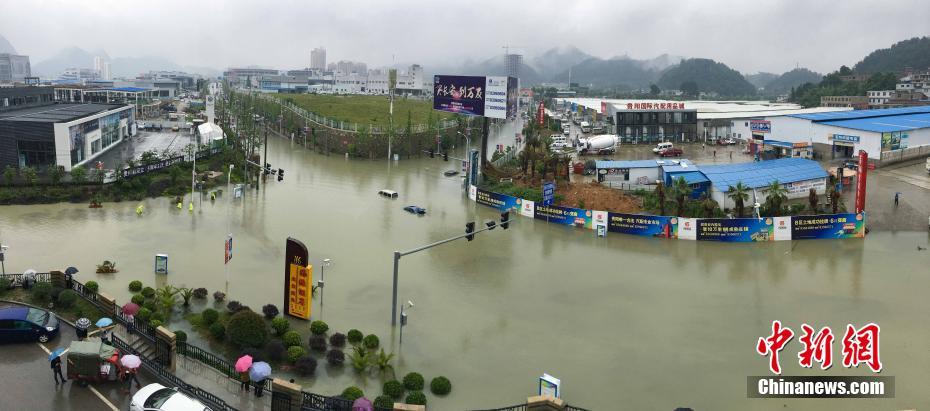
[554, 61]
[709, 75]
[791, 79]
[5, 46]
[120, 66]
[618, 71]
[914, 53]
[661, 62]
[494, 66]
[761, 78]
[66, 58]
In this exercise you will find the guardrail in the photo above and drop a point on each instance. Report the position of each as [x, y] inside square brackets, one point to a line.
[910, 153]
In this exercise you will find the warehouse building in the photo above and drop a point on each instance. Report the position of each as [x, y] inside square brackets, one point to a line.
[796, 175]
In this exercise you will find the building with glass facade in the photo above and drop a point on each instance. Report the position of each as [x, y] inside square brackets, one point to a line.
[650, 126]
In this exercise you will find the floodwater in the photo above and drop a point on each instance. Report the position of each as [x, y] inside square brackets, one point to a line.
[625, 322]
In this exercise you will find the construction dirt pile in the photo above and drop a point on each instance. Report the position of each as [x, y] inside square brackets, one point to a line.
[593, 196]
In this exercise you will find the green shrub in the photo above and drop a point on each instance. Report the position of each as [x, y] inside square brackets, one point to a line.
[42, 291]
[135, 286]
[291, 339]
[393, 388]
[384, 401]
[209, 316]
[67, 298]
[280, 325]
[337, 340]
[318, 327]
[413, 381]
[217, 331]
[144, 314]
[156, 323]
[92, 285]
[138, 299]
[371, 341]
[150, 304]
[56, 291]
[158, 315]
[180, 336]
[416, 398]
[294, 353]
[306, 365]
[440, 385]
[354, 336]
[317, 343]
[247, 329]
[148, 292]
[276, 350]
[335, 357]
[4, 285]
[352, 393]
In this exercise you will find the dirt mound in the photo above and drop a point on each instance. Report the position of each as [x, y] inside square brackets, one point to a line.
[594, 196]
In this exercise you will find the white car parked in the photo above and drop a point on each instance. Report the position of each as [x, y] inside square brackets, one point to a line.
[157, 397]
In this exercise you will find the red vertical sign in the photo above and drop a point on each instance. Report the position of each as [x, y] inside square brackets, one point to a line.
[860, 181]
[540, 113]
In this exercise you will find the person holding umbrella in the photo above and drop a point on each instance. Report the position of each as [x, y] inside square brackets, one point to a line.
[259, 372]
[129, 311]
[131, 365]
[242, 367]
[69, 273]
[55, 359]
[80, 328]
[105, 329]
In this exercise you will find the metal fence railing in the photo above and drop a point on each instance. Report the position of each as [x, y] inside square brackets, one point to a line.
[620, 185]
[910, 153]
[207, 358]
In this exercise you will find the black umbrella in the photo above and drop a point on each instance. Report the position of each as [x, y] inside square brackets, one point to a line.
[71, 271]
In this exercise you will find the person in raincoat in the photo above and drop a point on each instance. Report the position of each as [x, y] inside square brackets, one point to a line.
[244, 381]
[56, 370]
[129, 375]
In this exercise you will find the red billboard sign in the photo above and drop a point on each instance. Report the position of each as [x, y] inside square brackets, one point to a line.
[540, 113]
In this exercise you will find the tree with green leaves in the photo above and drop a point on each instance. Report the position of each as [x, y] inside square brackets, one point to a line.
[739, 194]
[690, 89]
[775, 198]
[79, 174]
[660, 197]
[29, 175]
[654, 90]
[55, 173]
[812, 199]
[682, 191]
[9, 174]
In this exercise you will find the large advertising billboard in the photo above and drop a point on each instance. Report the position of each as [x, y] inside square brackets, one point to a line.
[298, 275]
[495, 97]
[513, 97]
[847, 225]
[459, 94]
[499, 201]
[577, 217]
[645, 225]
[735, 229]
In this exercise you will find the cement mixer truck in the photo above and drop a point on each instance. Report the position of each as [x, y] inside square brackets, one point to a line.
[602, 144]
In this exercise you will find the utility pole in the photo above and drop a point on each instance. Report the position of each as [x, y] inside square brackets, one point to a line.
[229, 195]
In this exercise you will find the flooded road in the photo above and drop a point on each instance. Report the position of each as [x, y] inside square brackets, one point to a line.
[646, 323]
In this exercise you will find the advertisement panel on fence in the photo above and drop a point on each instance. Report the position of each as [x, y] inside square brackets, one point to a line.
[645, 225]
[687, 228]
[513, 96]
[499, 201]
[528, 208]
[148, 168]
[460, 94]
[782, 228]
[735, 229]
[846, 225]
[564, 215]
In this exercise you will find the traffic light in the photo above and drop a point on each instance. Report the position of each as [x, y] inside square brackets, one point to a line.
[445, 156]
[505, 219]
[267, 169]
[431, 153]
[490, 224]
[470, 228]
[280, 174]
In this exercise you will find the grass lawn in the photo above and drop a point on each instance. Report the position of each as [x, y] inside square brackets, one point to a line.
[363, 110]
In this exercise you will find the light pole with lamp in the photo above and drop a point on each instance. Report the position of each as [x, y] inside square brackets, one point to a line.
[321, 282]
[403, 318]
[229, 196]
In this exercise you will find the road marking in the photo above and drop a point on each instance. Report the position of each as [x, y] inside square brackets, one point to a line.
[92, 389]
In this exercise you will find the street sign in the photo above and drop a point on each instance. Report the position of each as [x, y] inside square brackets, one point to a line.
[549, 385]
[161, 263]
[548, 192]
[227, 250]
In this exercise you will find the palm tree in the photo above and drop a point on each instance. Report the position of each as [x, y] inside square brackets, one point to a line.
[812, 199]
[835, 201]
[382, 361]
[660, 197]
[739, 194]
[709, 205]
[682, 192]
[775, 196]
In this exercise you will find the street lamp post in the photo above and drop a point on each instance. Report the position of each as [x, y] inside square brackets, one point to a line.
[403, 319]
[322, 281]
[229, 195]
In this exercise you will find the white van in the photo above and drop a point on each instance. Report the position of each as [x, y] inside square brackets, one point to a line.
[585, 127]
[661, 146]
[558, 142]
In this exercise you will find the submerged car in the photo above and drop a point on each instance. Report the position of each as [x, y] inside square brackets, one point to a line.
[158, 397]
[26, 324]
[671, 152]
[415, 209]
[450, 173]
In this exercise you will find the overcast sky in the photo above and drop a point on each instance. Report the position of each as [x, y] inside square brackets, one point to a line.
[749, 36]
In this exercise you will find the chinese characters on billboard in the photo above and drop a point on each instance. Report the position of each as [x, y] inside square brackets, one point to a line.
[492, 96]
[298, 275]
[655, 106]
[860, 346]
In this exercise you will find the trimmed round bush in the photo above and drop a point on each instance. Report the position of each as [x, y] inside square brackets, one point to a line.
[138, 299]
[156, 323]
[270, 311]
[318, 327]
[144, 314]
[209, 316]
[150, 304]
[393, 389]
[318, 343]
[217, 330]
[305, 366]
[56, 291]
[92, 285]
[276, 350]
[42, 291]
[354, 336]
[280, 325]
[416, 398]
[148, 292]
[337, 340]
[291, 339]
[352, 393]
[371, 341]
[219, 296]
[440, 385]
[294, 353]
[158, 315]
[180, 336]
[135, 286]
[247, 329]
[5, 284]
[200, 293]
[335, 357]
[67, 298]
[384, 401]
[413, 381]
[234, 306]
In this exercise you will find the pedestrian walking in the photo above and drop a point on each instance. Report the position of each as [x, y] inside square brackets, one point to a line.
[56, 370]
[731, 155]
[259, 387]
[703, 146]
[896, 199]
[129, 375]
[244, 381]
[715, 153]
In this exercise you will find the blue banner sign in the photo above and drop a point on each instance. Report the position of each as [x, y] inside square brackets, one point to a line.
[760, 126]
[459, 94]
[841, 137]
[735, 229]
[645, 225]
[564, 215]
[548, 192]
[499, 201]
[846, 225]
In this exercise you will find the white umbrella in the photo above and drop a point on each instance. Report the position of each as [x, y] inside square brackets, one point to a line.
[130, 361]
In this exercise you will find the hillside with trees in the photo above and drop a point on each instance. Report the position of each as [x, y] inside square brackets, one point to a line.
[791, 79]
[808, 94]
[709, 76]
[914, 53]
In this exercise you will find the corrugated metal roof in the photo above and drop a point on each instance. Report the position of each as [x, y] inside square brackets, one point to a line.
[625, 164]
[856, 114]
[762, 173]
[57, 113]
[691, 177]
[670, 166]
[885, 124]
[133, 89]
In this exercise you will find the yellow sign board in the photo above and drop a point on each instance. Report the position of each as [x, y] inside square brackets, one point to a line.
[300, 280]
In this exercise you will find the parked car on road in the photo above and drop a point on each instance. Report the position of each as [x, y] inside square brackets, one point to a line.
[415, 209]
[726, 142]
[661, 146]
[158, 397]
[671, 152]
[26, 324]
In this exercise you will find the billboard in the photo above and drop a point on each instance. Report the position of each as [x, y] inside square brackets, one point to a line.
[645, 225]
[499, 201]
[495, 97]
[513, 96]
[564, 215]
[846, 225]
[460, 94]
[760, 126]
[298, 275]
[735, 229]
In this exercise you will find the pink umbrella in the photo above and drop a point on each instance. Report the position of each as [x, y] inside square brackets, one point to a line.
[243, 363]
[362, 404]
[130, 361]
[130, 308]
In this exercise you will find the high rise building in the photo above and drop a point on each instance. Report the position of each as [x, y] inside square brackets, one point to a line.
[105, 73]
[98, 64]
[318, 58]
[14, 68]
[514, 61]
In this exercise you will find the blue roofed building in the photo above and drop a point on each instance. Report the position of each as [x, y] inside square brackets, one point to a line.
[796, 175]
